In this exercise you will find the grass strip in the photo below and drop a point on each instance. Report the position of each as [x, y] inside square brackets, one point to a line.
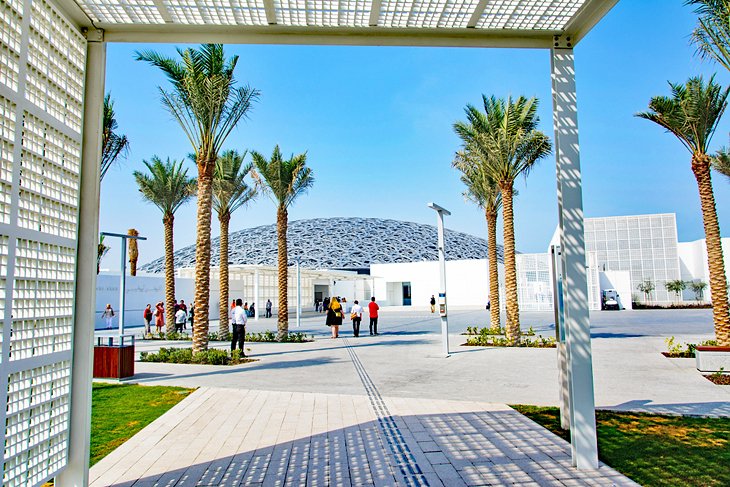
[654, 449]
[119, 411]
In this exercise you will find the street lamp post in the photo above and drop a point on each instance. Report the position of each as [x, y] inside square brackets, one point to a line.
[442, 265]
[298, 260]
[123, 280]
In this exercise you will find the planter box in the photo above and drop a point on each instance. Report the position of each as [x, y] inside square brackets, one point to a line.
[712, 359]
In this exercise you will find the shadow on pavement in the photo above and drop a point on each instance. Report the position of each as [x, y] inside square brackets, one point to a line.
[467, 448]
[718, 408]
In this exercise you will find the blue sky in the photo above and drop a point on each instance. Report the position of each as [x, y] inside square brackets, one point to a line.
[376, 125]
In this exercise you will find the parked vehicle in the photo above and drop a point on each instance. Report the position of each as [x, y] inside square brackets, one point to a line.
[609, 300]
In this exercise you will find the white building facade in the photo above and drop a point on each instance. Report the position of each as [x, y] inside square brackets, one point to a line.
[621, 253]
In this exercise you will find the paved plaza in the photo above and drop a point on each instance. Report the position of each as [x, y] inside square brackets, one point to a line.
[391, 410]
[405, 360]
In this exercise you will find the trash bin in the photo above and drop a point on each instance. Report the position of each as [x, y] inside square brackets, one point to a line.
[114, 357]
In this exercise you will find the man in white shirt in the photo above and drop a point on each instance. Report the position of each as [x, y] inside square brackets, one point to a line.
[180, 318]
[238, 319]
[356, 315]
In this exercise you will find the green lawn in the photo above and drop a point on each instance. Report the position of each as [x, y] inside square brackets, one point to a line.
[653, 449]
[120, 411]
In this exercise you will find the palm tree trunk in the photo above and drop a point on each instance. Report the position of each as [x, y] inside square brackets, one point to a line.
[493, 270]
[283, 315]
[202, 257]
[133, 251]
[718, 280]
[168, 222]
[224, 219]
[512, 327]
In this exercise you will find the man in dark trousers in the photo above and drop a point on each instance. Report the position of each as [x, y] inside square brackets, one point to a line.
[373, 311]
[238, 317]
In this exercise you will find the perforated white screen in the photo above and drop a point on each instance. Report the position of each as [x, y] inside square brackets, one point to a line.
[443, 14]
[42, 62]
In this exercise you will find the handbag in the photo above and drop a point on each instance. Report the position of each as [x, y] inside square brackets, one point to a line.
[353, 316]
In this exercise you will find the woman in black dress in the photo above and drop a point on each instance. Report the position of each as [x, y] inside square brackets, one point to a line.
[334, 317]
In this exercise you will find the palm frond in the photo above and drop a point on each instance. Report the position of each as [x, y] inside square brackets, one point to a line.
[166, 184]
[113, 145]
[282, 179]
[230, 190]
[691, 112]
[711, 36]
[504, 138]
[721, 162]
[204, 100]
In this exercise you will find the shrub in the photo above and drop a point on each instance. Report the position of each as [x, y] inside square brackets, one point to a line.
[687, 350]
[488, 331]
[498, 341]
[212, 356]
[270, 336]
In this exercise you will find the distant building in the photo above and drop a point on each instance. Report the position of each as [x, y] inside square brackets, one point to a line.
[397, 262]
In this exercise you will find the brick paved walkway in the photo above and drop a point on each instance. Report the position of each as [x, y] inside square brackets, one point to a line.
[225, 437]
[233, 437]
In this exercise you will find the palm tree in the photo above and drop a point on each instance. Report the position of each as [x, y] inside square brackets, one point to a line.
[676, 286]
[113, 145]
[712, 34]
[484, 192]
[284, 180]
[133, 251]
[691, 114]
[230, 192]
[506, 138]
[208, 106]
[168, 187]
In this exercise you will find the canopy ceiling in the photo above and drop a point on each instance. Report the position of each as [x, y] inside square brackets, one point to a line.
[498, 23]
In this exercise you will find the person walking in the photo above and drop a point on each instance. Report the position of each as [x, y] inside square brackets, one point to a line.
[334, 317]
[373, 312]
[159, 316]
[238, 317]
[356, 316]
[181, 316]
[268, 308]
[147, 315]
[252, 311]
[191, 316]
[433, 304]
[184, 307]
[108, 315]
[326, 304]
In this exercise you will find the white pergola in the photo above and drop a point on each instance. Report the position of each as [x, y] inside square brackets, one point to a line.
[52, 66]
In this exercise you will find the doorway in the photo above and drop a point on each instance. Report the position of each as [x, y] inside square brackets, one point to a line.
[406, 294]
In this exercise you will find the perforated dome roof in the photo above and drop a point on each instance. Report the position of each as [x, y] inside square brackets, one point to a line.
[339, 243]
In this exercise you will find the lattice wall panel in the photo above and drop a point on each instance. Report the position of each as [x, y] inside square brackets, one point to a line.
[42, 62]
[36, 431]
[443, 14]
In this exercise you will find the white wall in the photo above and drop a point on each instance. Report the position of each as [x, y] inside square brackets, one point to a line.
[693, 264]
[467, 282]
[140, 291]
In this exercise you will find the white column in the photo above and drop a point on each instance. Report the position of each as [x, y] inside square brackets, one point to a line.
[256, 295]
[575, 285]
[122, 286]
[76, 473]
